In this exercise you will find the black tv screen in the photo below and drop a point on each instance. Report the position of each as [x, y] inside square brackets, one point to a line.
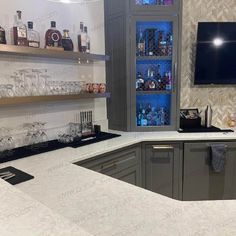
[216, 53]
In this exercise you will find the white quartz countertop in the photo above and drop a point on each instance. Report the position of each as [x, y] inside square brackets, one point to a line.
[65, 199]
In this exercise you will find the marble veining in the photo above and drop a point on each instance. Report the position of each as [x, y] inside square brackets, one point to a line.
[103, 206]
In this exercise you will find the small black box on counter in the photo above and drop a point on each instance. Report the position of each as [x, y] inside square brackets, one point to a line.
[190, 118]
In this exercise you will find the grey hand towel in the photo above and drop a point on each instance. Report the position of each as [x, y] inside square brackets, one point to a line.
[218, 157]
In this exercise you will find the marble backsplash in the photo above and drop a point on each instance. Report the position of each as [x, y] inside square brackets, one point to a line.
[221, 98]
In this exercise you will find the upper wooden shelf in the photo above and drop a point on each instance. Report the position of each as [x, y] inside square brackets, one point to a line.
[49, 53]
[49, 98]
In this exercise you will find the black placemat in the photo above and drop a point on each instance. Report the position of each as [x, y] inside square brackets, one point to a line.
[203, 129]
[20, 175]
[53, 145]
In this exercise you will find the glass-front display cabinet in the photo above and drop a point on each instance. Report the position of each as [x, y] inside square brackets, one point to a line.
[153, 72]
[154, 5]
[143, 72]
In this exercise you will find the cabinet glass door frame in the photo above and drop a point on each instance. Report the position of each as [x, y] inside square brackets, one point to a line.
[173, 110]
[150, 9]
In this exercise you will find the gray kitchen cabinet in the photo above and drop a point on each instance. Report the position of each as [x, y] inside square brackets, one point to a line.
[123, 164]
[151, 6]
[155, 108]
[199, 180]
[163, 168]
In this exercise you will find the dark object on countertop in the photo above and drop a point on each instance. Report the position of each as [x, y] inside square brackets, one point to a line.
[203, 129]
[53, 145]
[19, 177]
[190, 118]
[218, 157]
[97, 129]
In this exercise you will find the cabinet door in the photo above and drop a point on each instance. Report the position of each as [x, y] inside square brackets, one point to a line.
[154, 69]
[199, 181]
[163, 168]
[124, 164]
[150, 6]
[130, 175]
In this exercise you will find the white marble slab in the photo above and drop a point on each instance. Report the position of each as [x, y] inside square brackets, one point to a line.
[22, 215]
[104, 206]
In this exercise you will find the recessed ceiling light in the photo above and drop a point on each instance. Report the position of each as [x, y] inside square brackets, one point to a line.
[218, 42]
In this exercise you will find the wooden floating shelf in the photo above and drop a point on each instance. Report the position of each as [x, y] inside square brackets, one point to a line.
[50, 98]
[49, 53]
[159, 58]
[152, 92]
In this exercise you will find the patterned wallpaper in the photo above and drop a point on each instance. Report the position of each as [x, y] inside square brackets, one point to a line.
[221, 98]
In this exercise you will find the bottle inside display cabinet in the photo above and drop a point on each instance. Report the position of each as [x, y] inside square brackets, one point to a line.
[53, 37]
[140, 44]
[2, 36]
[82, 39]
[33, 36]
[154, 2]
[67, 43]
[87, 40]
[153, 110]
[19, 31]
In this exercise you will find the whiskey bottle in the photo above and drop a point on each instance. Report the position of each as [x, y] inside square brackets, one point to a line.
[79, 36]
[87, 40]
[82, 39]
[161, 44]
[169, 44]
[141, 44]
[139, 82]
[67, 43]
[2, 36]
[53, 37]
[19, 31]
[161, 84]
[33, 36]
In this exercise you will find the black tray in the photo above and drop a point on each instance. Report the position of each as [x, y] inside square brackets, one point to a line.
[20, 175]
[203, 129]
[53, 145]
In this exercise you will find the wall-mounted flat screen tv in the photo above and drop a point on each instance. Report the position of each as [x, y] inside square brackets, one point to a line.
[216, 53]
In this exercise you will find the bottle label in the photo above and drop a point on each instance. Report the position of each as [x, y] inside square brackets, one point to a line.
[33, 44]
[141, 47]
[21, 32]
[83, 40]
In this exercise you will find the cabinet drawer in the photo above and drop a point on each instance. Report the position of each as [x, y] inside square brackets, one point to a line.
[113, 162]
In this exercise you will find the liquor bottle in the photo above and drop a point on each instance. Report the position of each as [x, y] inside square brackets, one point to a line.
[67, 43]
[151, 83]
[161, 2]
[162, 116]
[79, 36]
[159, 78]
[169, 44]
[161, 44]
[87, 40]
[19, 31]
[139, 82]
[144, 121]
[152, 117]
[33, 36]
[53, 37]
[2, 36]
[141, 44]
[146, 2]
[169, 81]
[82, 39]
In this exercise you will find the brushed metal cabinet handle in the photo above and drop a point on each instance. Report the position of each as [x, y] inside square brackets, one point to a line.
[162, 147]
